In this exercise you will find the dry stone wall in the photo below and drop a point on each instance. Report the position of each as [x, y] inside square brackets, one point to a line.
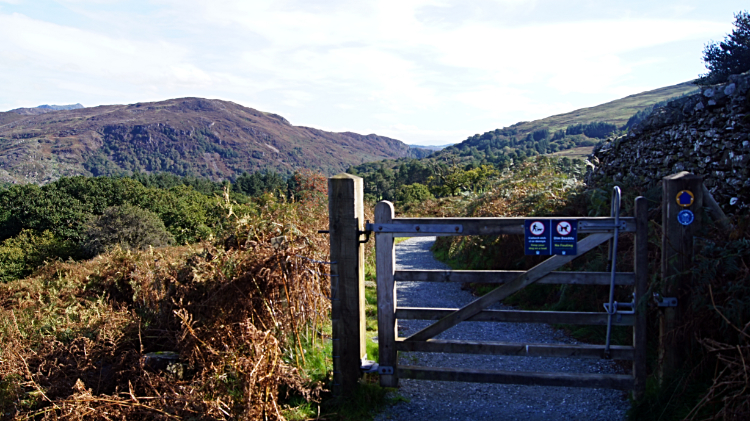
[707, 134]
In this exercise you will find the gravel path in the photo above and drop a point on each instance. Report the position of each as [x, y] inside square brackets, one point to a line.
[437, 401]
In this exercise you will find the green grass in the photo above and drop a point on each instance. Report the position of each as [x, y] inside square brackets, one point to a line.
[616, 112]
[371, 322]
[673, 399]
[368, 398]
[581, 153]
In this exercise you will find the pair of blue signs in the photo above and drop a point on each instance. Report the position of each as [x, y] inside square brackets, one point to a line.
[544, 237]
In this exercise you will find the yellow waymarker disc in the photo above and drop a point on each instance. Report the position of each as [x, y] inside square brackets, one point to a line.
[685, 198]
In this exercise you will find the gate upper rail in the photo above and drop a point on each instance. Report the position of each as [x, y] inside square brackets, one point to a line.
[412, 227]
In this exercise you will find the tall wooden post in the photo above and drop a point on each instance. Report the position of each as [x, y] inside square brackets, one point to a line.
[346, 221]
[682, 192]
[387, 330]
[641, 285]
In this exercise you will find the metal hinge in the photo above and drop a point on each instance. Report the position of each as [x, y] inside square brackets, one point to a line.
[385, 370]
[373, 367]
[366, 233]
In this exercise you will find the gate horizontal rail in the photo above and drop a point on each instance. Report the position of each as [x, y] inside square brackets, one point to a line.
[494, 226]
[607, 381]
[503, 276]
[619, 352]
[517, 316]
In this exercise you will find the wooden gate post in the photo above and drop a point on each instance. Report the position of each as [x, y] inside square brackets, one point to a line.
[346, 221]
[677, 258]
[385, 267]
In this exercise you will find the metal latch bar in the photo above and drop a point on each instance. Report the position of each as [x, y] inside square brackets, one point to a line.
[368, 366]
[415, 228]
[602, 225]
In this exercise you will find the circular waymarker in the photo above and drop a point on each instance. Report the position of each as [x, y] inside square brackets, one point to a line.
[536, 228]
[564, 228]
[685, 198]
[685, 217]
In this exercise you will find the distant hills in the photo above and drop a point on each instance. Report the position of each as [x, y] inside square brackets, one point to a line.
[579, 129]
[187, 136]
[571, 134]
[221, 140]
[45, 109]
[433, 147]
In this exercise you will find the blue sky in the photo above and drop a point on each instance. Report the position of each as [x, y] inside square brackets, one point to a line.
[421, 71]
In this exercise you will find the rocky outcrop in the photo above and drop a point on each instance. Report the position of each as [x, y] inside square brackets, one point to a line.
[707, 134]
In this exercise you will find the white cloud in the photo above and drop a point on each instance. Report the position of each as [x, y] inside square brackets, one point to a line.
[60, 48]
[379, 64]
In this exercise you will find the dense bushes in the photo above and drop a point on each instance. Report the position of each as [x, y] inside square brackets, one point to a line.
[81, 216]
[65, 207]
[21, 254]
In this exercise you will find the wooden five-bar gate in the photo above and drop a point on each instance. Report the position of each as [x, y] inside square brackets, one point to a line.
[594, 231]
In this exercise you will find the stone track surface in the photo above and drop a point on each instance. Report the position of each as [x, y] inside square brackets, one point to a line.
[438, 401]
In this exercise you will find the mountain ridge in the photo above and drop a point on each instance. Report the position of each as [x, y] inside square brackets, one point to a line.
[186, 136]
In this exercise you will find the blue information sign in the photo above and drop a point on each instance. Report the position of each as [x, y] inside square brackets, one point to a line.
[547, 237]
[564, 237]
[537, 237]
[685, 217]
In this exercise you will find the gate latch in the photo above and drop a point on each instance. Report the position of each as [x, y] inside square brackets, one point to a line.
[665, 301]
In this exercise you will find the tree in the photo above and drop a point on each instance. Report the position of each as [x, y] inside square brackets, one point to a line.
[452, 180]
[729, 57]
[128, 226]
[413, 193]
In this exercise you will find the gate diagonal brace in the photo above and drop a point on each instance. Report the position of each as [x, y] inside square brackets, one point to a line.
[523, 280]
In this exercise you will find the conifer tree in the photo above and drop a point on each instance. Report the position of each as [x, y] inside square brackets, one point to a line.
[729, 57]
